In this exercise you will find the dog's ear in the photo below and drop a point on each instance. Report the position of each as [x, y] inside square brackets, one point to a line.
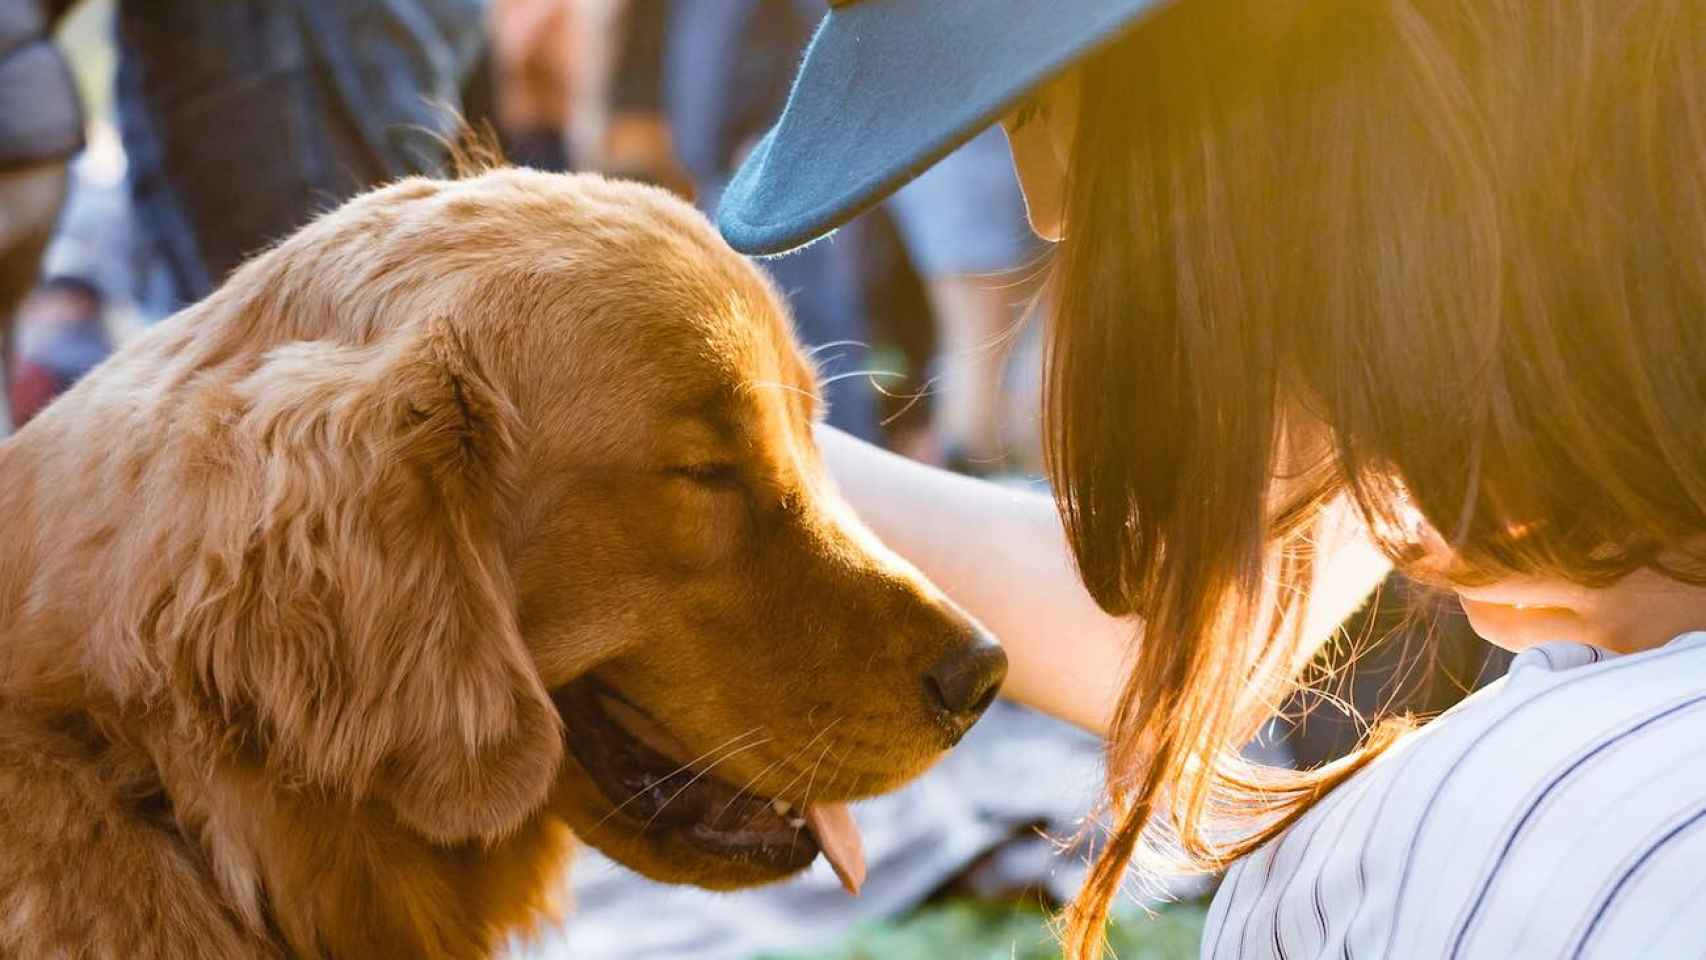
[355, 621]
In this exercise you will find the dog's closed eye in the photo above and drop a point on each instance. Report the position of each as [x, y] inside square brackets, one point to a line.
[710, 473]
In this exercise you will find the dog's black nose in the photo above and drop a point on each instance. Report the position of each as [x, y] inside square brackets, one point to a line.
[964, 683]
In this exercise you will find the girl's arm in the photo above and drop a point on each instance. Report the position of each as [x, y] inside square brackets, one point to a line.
[1002, 554]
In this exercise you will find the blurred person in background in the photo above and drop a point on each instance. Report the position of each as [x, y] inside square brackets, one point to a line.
[98, 240]
[41, 128]
[242, 118]
[104, 282]
[62, 336]
[532, 58]
[635, 135]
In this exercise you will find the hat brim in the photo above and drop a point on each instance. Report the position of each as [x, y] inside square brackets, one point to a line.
[889, 87]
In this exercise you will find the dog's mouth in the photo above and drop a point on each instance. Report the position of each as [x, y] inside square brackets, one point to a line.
[656, 787]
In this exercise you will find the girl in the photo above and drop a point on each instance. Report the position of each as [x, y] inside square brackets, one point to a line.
[1340, 283]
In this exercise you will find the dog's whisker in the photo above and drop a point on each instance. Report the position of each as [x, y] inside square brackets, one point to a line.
[840, 761]
[684, 767]
[873, 374]
[925, 389]
[795, 754]
[699, 776]
[781, 386]
[814, 351]
[912, 399]
[818, 765]
[807, 746]
[750, 783]
[753, 780]
[802, 749]
[808, 794]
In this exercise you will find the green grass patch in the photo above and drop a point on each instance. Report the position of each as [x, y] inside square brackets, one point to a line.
[972, 930]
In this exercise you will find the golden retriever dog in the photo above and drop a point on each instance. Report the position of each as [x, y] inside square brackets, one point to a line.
[477, 518]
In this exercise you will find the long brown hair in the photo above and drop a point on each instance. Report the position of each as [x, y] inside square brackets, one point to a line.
[1465, 237]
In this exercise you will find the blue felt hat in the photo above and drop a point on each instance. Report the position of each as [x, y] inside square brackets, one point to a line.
[887, 88]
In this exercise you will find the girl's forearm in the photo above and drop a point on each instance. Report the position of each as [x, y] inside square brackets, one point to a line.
[1000, 554]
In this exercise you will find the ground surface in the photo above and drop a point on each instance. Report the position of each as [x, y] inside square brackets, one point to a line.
[968, 930]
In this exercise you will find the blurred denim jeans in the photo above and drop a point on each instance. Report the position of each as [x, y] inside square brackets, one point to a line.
[244, 118]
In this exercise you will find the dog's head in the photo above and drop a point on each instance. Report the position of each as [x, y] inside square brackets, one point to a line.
[534, 519]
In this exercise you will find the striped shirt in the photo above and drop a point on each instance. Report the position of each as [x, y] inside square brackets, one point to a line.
[1559, 812]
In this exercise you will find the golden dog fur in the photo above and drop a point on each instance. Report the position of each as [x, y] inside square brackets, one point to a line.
[290, 582]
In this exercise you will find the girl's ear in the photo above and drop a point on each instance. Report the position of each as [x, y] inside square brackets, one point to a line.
[1040, 134]
[365, 637]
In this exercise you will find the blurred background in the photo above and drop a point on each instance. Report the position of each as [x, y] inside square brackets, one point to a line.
[148, 146]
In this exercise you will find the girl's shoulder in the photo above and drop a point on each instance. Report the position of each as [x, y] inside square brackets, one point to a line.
[1559, 812]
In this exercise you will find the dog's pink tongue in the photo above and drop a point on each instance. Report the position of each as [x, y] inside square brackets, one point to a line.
[838, 835]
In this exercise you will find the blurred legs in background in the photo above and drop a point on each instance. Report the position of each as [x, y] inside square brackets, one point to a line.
[61, 336]
[972, 314]
[963, 224]
[533, 47]
[41, 127]
[29, 204]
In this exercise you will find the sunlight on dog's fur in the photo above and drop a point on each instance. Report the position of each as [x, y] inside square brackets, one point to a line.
[477, 517]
